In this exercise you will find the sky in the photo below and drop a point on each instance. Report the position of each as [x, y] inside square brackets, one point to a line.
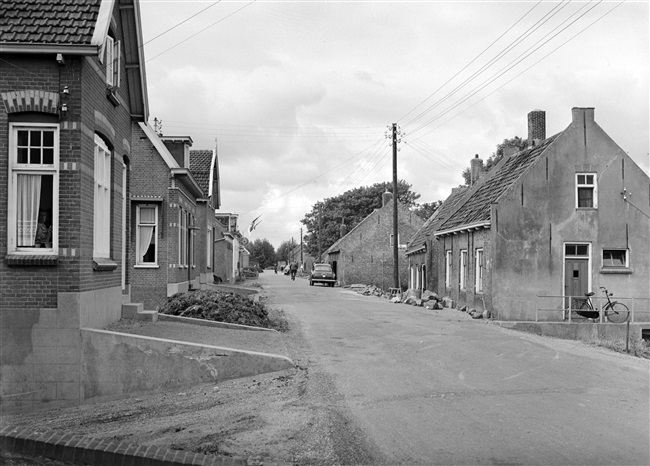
[297, 96]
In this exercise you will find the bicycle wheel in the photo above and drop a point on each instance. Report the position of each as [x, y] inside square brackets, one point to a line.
[617, 313]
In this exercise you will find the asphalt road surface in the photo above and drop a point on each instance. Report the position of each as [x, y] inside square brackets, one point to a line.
[436, 387]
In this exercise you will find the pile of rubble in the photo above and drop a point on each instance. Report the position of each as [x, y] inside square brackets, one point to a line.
[427, 299]
[369, 290]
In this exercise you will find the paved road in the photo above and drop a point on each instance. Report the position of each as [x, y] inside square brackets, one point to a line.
[436, 387]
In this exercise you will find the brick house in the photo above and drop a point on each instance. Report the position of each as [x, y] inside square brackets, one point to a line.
[365, 254]
[422, 249]
[204, 166]
[73, 86]
[165, 210]
[567, 215]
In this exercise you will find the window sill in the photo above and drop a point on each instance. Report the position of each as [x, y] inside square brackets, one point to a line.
[146, 266]
[102, 264]
[111, 96]
[32, 259]
[587, 209]
[622, 270]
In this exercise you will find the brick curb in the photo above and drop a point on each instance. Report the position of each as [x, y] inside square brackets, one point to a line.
[76, 449]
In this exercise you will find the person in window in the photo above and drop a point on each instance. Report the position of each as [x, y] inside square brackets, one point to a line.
[43, 232]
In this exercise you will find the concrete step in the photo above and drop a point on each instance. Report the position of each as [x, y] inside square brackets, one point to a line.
[149, 316]
[137, 311]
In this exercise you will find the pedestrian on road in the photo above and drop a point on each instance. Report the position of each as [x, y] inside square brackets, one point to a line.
[294, 269]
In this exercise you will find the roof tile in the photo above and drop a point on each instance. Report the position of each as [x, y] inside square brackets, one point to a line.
[47, 22]
[477, 207]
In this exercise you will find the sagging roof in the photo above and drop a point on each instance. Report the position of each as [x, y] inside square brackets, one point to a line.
[418, 241]
[476, 207]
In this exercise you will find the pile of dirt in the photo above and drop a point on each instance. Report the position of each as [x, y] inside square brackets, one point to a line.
[219, 306]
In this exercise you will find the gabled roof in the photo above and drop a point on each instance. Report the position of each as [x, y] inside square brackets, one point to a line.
[200, 163]
[440, 215]
[401, 208]
[476, 207]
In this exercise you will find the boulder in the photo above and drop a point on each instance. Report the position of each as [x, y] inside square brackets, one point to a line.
[396, 299]
[411, 292]
[429, 296]
[418, 302]
[463, 309]
[448, 302]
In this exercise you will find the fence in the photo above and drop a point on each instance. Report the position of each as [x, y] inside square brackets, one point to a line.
[564, 308]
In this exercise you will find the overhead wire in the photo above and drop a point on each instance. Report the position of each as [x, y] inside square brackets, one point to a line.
[539, 23]
[470, 62]
[199, 32]
[528, 68]
[524, 55]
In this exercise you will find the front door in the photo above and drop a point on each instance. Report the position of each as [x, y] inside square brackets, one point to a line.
[576, 280]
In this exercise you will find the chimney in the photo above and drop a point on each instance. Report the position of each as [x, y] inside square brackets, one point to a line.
[476, 169]
[582, 114]
[386, 198]
[536, 127]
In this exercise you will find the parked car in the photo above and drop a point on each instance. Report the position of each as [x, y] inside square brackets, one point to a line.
[322, 273]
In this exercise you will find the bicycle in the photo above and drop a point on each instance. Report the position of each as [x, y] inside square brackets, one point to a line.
[615, 312]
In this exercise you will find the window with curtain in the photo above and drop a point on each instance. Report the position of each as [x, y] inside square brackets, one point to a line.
[182, 237]
[448, 269]
[102, 213]
[147, 235]
[586, 191]
[33, 188]
[209, 246]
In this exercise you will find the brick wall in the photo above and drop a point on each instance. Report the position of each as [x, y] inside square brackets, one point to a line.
[366, 253]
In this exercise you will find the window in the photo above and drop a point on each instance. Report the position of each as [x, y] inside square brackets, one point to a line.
[102, 214]
[113, 55]
[182, 238]
[209, 247]
[191, 231]
[147, 235]
[586, 192]
[576, 250]
[448, 269]
[615, 258]
[463, 269]
[480, 268]
[33, 188]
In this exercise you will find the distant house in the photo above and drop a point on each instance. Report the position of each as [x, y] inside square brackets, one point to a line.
[567, 215]
[73, 90]
[204, 166]
[165, 209]
[365, 254]
[423, 248]
[228, 260]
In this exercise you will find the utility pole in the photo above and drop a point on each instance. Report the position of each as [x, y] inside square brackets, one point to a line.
[395, 231]
[301, 258]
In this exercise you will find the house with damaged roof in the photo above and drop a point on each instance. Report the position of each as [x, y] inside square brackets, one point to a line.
[73, 88]
[567, 215]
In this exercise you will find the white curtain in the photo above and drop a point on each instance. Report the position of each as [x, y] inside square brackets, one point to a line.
[147, 216]
[29, 197]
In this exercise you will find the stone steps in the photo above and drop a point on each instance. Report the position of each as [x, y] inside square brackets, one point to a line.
[136, 311]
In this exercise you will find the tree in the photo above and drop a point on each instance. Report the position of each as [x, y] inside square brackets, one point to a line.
[426, 210]
[348, 208]
[515, 142]
[283, 251]
[262, 251]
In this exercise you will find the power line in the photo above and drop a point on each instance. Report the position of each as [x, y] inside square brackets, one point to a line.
[202, 30]
[505, 69]
[178, 24]
[540, 22]
[468, 64]
[523, 71]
